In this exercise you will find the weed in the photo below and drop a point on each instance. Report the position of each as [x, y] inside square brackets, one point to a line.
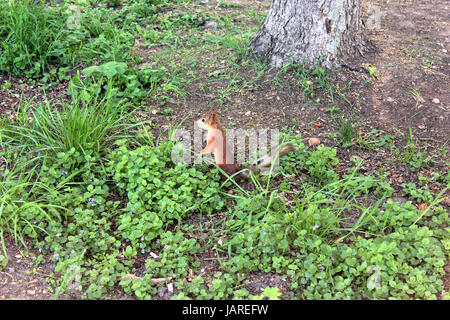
[411, 153]
[346, 133]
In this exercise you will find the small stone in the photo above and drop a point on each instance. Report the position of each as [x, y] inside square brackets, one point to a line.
[170, 287]
[435, 101]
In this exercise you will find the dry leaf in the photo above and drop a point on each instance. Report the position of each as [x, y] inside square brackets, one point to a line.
[422, 206]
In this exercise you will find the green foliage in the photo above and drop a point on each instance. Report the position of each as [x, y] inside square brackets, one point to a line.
[220, 286]
[317, 162]
[411, 153]
[422, 195]
[320, 162]
[346, 133]
[158, 191]
[393, 216]
[127, 83]
[29, 37]
[175, 257]
[39, 40]
[374, 139]
[180, 20]
[269, 292]
[394, 266]
[87, 123]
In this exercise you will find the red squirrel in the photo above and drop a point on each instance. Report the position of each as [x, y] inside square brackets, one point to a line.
[216, 143]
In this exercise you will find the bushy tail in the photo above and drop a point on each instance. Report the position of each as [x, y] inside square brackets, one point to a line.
[266, 160]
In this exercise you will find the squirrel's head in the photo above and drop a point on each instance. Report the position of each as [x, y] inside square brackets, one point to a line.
[209, 120]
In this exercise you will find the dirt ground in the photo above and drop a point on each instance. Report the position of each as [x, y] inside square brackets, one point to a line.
[414, 72]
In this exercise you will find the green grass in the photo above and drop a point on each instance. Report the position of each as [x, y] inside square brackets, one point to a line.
[347, 133]
[29, 36]
[88, 122]
[40, 41]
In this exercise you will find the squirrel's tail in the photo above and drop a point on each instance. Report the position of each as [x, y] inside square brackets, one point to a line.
[265, 161]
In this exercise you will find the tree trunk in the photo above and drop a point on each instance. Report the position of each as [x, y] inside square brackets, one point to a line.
[306, 30]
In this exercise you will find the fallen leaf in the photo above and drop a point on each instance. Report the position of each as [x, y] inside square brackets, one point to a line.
[422, 206]
[158, 280]
[319, 125]
[128, 276]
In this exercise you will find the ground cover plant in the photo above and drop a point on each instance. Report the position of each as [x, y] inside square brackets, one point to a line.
[93, 206]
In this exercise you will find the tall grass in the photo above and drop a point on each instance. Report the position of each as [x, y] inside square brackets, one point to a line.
[36, 39]
[21, 194]
[29, 34]
[87, 122]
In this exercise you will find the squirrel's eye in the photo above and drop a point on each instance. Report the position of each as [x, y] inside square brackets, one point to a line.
[203, 120]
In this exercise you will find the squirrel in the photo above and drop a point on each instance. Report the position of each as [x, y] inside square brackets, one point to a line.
[217, 144]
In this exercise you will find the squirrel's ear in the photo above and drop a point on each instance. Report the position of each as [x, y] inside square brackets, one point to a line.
[213, 116]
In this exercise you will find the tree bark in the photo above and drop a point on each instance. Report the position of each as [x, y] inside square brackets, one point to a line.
[305, 30]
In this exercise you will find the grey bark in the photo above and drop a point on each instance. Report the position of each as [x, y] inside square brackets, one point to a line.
[305, 30]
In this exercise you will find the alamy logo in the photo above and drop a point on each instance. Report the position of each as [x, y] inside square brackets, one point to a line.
[73, 275]
[374, 18]
[73, 22]
[373, 282]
